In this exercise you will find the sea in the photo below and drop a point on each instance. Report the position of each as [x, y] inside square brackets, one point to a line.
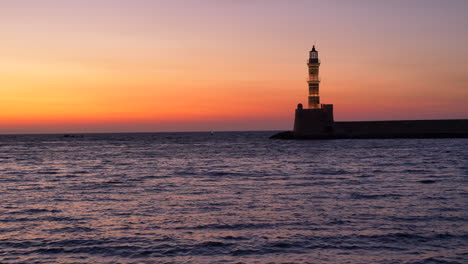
[231, 197]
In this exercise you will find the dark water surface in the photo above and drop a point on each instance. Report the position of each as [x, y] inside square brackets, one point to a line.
[232, 198]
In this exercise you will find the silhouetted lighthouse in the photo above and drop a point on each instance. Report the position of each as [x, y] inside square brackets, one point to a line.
[313, 80]
[317, 119]
[317, 122]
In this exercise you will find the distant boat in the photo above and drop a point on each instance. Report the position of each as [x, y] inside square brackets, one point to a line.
[212, 133]
[72, 136]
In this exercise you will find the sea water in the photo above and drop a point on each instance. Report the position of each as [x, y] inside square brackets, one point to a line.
[232, 197]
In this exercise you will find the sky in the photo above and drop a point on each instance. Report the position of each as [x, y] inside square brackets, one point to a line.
[84, 66]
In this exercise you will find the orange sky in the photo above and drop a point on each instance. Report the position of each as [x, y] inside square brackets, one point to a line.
[126, 66]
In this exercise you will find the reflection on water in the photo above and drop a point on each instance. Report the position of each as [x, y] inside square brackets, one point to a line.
[231, 198]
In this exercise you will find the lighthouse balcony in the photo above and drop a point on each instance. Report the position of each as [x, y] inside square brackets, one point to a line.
[317, 106]
[313, 79]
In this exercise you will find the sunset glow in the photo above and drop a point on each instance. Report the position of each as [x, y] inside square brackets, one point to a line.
[136, 66]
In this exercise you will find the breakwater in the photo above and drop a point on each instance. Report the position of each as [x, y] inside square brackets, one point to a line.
[445, 128]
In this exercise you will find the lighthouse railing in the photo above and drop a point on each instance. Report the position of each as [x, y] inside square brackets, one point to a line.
[313, 79]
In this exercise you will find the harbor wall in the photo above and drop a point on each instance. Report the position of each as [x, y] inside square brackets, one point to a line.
[402, 128]
[319, 124]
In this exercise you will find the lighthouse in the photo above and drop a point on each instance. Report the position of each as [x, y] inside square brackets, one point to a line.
[317, 119]
[314, 81]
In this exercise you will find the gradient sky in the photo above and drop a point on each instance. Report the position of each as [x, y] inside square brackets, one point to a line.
[193, 65]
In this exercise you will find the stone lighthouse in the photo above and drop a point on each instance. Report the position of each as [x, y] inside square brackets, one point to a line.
[317, 119]
[313, 80]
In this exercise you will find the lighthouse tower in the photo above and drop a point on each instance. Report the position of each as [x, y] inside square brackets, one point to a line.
[317, 119]
[313, 80]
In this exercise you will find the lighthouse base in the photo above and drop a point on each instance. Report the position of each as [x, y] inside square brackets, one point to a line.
[314, 122]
